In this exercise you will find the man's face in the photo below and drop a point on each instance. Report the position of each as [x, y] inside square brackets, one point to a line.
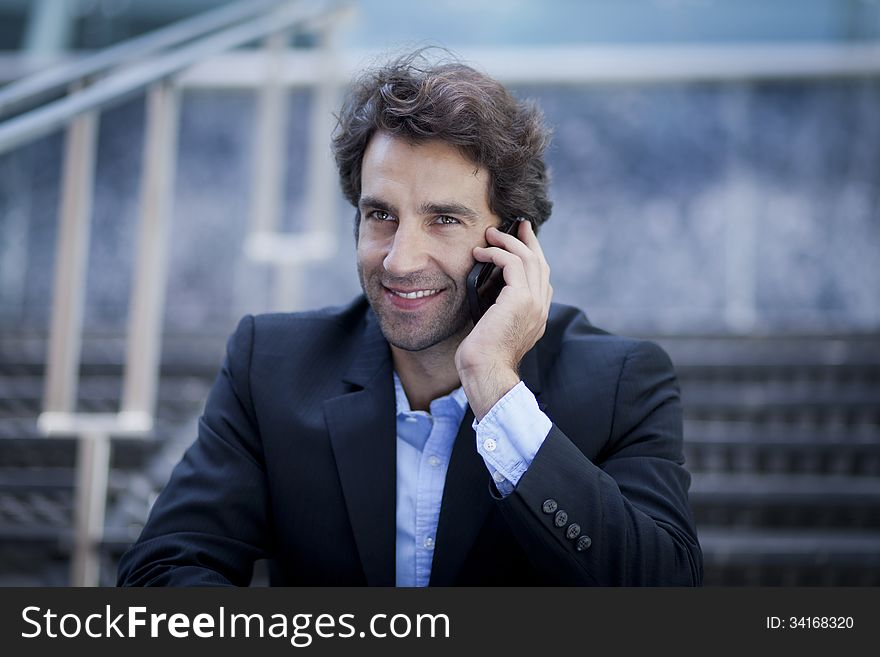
[423, 208]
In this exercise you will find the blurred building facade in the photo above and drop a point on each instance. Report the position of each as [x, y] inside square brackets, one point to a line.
[712, 200]
[716, 186]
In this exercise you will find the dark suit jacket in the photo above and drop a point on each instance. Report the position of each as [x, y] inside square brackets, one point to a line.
[295, 462]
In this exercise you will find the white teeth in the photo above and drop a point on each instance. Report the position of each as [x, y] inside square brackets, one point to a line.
[415, 295]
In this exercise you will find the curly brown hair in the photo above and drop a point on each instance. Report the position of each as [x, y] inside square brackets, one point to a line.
[416, 99]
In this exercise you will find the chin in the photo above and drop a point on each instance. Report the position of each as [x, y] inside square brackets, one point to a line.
[413, 338]
[418, 336]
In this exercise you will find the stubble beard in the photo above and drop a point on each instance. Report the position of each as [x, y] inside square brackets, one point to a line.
[417, 331]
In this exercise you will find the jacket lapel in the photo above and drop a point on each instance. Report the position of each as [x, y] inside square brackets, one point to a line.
[363, 435]
[467, 500]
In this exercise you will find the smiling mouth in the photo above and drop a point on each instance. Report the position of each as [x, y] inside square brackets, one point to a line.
[407, 300]
[416, 294]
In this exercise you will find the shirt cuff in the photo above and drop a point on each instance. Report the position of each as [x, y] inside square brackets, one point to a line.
[509, 436]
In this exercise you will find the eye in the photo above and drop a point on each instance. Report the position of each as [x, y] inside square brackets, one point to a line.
[379, 215]
[447, 220]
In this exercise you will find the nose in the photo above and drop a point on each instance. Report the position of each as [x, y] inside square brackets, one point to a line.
[408, 252]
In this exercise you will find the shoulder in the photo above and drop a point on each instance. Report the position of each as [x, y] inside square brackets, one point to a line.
[347, 318]
[323, 330]
[617, 381]
[570, 337]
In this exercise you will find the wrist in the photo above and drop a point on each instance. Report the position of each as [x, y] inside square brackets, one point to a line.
[484, 387]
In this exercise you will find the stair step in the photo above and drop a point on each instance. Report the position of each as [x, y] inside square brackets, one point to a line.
[777, 350]
[748, 488]
[781, 431]
[857, 459]
[99, 388]
[723, 546]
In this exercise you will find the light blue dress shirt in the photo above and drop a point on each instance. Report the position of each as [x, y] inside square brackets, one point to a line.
[508, 438]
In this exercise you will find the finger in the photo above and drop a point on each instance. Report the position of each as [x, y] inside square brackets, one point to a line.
[526, 233]
[530, 239]
[530, 266]
[533, 307]
[527, 236]
[512, 267]
[513, 244]
[516, 281]
[536, 268]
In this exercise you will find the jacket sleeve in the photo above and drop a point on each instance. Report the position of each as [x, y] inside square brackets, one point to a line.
[210, 523]
[629, 507]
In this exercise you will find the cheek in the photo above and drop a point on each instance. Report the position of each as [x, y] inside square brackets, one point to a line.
[459, 263]
[369, 251]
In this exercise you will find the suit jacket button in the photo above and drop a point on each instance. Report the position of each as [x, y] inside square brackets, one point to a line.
[560, 519]
[583, 543]
[573, 530]
[550, 506]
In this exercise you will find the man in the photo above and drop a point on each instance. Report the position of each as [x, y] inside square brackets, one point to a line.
[394, 442]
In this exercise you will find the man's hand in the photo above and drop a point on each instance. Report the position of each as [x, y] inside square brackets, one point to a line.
[488, 359]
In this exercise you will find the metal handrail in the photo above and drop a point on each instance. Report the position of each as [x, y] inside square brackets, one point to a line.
[150, 64]
[117, 87]
[37, 85]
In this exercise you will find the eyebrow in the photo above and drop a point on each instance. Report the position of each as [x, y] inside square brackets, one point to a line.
[377, 203]
[446, 207]
[453, 208]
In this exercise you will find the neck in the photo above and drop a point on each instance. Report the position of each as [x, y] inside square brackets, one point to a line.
[427, 374]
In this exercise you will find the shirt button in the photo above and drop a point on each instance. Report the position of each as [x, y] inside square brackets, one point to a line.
[410, 418]
[560, 519]
[583, 543]
[549, 506]
[498, 477]
[429, 542]
[489, 445]
[573, 531]
[433, 461]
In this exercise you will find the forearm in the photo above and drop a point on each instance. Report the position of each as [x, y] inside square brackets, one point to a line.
[625, 515]
[631, 523]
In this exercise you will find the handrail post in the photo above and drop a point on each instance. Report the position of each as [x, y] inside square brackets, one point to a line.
[267, 199]
[90, 503]
[320, 174]
[144, 332]
[267, 181]
[69, 291]
[151, 270]
[321, 190]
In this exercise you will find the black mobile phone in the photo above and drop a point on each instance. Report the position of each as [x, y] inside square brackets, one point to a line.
[485, 281]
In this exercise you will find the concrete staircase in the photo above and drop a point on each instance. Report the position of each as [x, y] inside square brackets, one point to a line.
[782, 437]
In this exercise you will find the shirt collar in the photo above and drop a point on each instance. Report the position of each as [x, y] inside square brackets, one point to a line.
[454, 403]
